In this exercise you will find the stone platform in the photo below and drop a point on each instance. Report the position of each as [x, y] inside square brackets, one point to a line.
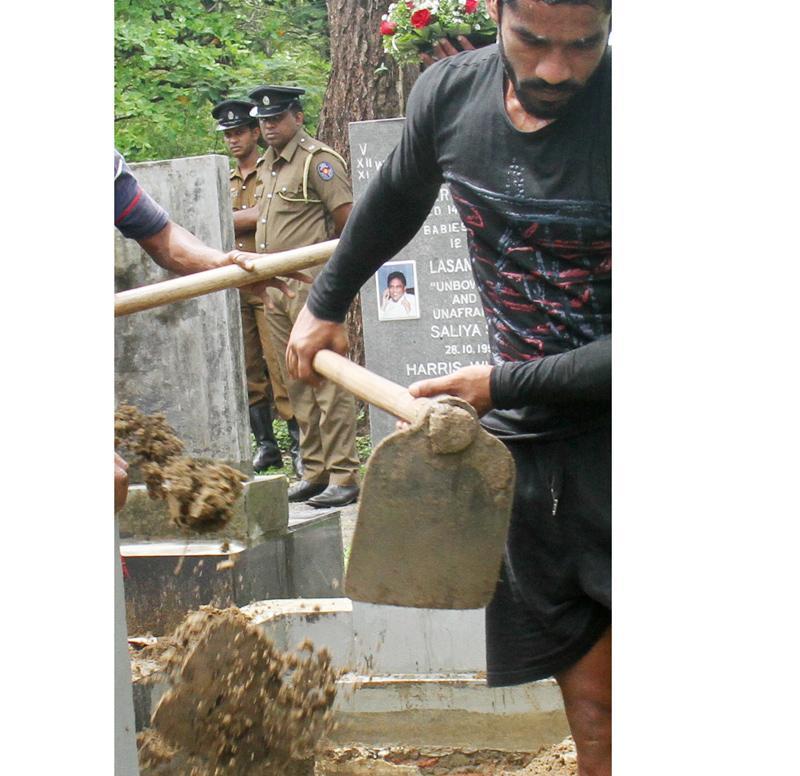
[260, 511]
[262, 553]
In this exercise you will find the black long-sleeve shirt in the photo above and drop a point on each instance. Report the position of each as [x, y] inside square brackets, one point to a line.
[537, 207]
[580, 377]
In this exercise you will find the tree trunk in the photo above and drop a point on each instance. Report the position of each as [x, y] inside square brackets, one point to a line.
[357, 93]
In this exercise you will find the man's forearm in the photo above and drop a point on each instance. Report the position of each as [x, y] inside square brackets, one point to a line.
[340, 216]
[583, 374]
[380, 225]
[179, 251]
[245, 221]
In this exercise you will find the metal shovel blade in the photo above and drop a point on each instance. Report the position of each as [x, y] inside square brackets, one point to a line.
[432, 525]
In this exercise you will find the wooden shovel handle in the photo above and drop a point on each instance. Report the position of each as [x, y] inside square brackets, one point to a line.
[368, 386]
[190, 286]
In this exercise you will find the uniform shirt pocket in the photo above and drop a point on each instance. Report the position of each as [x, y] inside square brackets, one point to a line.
[289, 194]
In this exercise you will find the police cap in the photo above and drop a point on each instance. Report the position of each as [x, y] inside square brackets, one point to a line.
[273, 100]
[233, 113]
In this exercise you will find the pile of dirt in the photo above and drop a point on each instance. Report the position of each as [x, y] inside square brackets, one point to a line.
[236, 702]
[157, 758]
[200, 495]
[425, 761]
[558, 760]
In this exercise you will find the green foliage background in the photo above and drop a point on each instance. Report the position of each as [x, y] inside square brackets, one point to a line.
[174, 59]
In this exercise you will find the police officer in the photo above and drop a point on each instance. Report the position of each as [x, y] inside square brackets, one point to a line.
[242, 136]
[306, 199]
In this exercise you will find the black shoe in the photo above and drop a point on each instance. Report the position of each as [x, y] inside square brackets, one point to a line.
[267, 456]
[335, 496]
[304, 489]
[294, 447]
[268, 453]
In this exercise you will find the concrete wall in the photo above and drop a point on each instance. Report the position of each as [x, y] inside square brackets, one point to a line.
[371, 639]
[186, 359]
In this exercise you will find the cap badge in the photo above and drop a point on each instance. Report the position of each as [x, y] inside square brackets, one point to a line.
[265, 100]
[230, 114]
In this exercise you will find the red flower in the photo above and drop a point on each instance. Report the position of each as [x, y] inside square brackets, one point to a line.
[421, 18]
[471, 6]
[388, 28]
[410, 5]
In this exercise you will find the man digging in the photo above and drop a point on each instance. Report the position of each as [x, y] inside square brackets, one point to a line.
[520, 131]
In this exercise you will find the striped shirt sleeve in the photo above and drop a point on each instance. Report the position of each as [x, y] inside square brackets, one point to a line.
[136, 213]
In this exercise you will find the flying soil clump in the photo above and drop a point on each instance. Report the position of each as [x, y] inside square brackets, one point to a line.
[239, 703]
[199, 495]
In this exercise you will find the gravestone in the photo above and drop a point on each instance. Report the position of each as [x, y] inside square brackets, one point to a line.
[439, 326]
[186, 359]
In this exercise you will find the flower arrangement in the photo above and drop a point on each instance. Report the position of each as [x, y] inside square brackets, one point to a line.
[410, 27]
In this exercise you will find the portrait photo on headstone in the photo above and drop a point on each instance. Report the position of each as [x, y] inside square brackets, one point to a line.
[396, 286]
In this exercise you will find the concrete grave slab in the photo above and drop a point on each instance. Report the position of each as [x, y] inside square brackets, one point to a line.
[166, 578]
[186, 359]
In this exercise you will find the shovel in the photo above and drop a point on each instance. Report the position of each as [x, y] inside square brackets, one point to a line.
[435, 502]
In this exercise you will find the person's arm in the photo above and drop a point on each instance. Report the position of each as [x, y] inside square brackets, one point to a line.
[340, 216]
[139, 217]
[245, 221]
[120, 481]
[582, 374]
[390, 213]
[179, 251]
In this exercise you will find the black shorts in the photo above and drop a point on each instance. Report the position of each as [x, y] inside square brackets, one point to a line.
[553, 599]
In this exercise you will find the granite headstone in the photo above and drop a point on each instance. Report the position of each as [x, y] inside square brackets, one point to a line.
[428, 320]
[186, 359]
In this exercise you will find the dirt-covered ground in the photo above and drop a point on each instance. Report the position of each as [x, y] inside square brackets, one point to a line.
[558, 760]
[160, 759]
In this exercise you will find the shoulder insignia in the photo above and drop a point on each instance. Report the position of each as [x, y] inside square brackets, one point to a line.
[325, 171]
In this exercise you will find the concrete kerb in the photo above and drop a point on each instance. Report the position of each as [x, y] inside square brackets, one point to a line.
[447, 710]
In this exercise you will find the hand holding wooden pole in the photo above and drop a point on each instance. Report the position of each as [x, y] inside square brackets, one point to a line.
[189, 286]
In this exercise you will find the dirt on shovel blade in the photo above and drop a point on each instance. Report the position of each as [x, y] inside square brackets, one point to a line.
[239, 703]
[200, 495]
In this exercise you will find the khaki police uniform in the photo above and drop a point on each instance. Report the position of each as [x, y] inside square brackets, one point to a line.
[302, 186]
[261, 361]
